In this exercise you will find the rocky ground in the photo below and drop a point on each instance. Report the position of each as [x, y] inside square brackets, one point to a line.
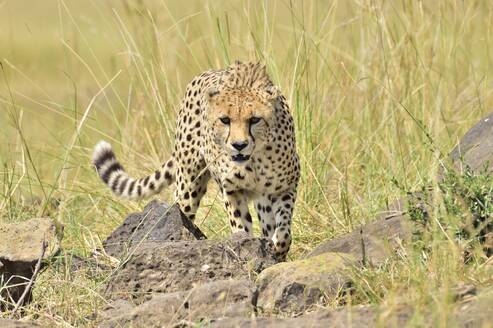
[166, 273]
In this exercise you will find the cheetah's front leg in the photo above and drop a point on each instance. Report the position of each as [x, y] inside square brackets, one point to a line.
[265, 213]
[239, 217]
[283, 205]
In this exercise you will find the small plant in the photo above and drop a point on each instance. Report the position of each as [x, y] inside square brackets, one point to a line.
[469, 198]
[463, 208]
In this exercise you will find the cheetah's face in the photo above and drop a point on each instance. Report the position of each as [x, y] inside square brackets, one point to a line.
[241, 120]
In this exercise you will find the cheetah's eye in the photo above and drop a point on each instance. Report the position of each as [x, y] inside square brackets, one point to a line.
[254, 120]
[225, 120]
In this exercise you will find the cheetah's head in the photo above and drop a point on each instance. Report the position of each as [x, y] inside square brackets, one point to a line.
[241, 120]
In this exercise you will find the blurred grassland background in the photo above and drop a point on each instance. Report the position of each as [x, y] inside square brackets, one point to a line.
[379, 90]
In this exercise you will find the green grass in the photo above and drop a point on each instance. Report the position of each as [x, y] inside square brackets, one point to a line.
[380, 92]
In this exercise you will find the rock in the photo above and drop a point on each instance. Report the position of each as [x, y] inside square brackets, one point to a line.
[7, 323]
[463, 291]
[157, 223]
[217, 299]
[294, 287]
[242, 322]
[475, 149]
[475, 152]
[114, 313]
[476, 311]
[22, 241]
[372, 243]
[358, 316]
[20, 250]
[164, 267]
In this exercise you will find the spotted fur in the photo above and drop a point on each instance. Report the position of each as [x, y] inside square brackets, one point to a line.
[233, 126]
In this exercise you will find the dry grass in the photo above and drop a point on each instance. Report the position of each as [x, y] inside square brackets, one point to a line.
[380, 90]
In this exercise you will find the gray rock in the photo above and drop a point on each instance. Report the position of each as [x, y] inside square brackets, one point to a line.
[295, 287]
[164, 267]
[20, 248]
[475, 149]
[223, 298]
[476, 311]
[473, 312]
[115, 312]
[156, 223]
[358, 316]
[372, 243]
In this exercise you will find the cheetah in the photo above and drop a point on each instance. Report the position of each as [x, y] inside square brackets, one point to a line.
[233, 126]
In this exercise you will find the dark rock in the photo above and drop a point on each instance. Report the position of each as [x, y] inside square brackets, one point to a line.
[157, 223]
[7, 323]
[295, 287]
[217, 299]
[164, 267]
[372, 243]
[475, 149]
[20, 249]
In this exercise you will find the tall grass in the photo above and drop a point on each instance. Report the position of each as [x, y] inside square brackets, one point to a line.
[380, 92]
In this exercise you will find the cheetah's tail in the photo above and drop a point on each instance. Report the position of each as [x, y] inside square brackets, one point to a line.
[113, 174]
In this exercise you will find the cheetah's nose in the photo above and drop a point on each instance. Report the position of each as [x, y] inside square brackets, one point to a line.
[239, 146]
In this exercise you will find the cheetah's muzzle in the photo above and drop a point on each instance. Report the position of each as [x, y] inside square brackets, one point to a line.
[240, 158]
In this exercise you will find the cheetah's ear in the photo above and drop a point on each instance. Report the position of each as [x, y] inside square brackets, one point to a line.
[211, 93]
[272, 94]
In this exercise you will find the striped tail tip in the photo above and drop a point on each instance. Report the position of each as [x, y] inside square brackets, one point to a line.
[105, 161]
[102, 153]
